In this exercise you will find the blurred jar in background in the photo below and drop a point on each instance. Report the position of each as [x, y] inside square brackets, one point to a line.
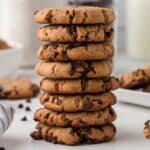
[138, 29]
[18, 25]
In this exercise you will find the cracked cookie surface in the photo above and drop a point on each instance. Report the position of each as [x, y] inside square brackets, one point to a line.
[75, 51]
[79, 86]
[61, 103]
[17, 88]
[74, 70]
[135, 79]
[77, 120]
[75, 15]
[76, 33]
[72, 136]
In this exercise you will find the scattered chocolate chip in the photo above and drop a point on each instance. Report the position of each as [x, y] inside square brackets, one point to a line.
[2, 148]
[1, 88]
[20, 106]
[28, 108]
[24, 118]
[28, 100]
[147, 122]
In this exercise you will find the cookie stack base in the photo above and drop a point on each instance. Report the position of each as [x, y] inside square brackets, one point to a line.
[73, 136]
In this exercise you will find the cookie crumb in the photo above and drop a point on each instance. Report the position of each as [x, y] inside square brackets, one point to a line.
[28, 100]
[24, 118]
[2, 148]
[20, 106]
[28, 108]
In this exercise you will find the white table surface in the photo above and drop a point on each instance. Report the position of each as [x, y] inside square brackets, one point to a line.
[130, 124]
[129, 136]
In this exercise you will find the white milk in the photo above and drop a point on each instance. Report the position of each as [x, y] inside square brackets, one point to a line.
[18, 24]
[138, 29]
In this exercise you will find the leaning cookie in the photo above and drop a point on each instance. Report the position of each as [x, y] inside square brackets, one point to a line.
[76, 33]
[17, 88]
[135, 79]
[75, 51]
[60, 103]
[75, 15]
[146, 130]
[79, 86]
[73, 136]
[77, 120]
[73, 70]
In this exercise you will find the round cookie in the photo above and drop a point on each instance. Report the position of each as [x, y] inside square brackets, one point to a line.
[135, 79]
[74, 70]
[146, 129]
[76, 120]
[79, 86]
[76, 33]
[75, 51]
[75, 103]
[72, 136]
[75, 15]
[17, 88]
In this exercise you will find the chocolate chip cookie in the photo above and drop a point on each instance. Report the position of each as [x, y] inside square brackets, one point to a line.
[73, 136]
[146, 130]
[77, 120]
[79, 86]
[75, 15]
[17, 88]
[135, 79]
[74, 70]
[76, 33]
[74, 103]
[75, 51]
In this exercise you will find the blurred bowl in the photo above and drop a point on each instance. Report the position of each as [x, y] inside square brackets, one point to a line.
[10, 59]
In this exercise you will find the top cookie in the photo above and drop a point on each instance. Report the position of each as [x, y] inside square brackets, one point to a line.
[75, 15]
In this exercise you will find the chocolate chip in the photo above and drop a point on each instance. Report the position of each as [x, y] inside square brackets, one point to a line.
[36, 12]
[24, 118]
[147, 122]
[87, 104]
[35, 135]
[20, 106]
[2, 148]
[28, 100]
[58, 101]
[28, 108]
[55, 55]
[1, 88]
[83, 84]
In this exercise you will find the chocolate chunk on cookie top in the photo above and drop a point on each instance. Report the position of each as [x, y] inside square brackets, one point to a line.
[76, 33]
[72, 70]
[75, 15]
[17, 88]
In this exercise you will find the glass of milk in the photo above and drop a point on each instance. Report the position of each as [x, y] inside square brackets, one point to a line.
[138, 29]
[18, 24]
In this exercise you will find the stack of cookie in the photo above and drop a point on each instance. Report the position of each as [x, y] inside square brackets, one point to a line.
[76, 66]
